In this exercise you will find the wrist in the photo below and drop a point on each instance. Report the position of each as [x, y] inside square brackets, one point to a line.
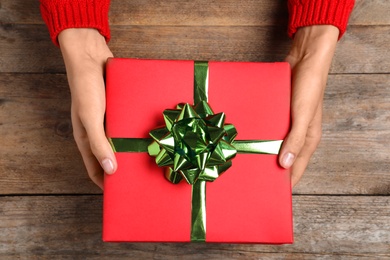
[317, 41]
[85, 53]
[82, 40]
[83, 48]
[325, 33]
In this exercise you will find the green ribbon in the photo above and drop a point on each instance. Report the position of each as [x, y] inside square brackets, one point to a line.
[195, 145]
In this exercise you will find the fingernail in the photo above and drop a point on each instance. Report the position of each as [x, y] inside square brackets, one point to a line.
[108, 166]
[288, 160]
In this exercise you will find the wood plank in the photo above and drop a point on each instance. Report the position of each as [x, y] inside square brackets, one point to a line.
[199, 12]
[356, 139]
[370, 12]
[20, 12]
[363, 50]
[349, 163]
[325, 227]
[27, 48]
[201, 43]
[38, 154]
[230, 13]
[357, 102]
[141, 12]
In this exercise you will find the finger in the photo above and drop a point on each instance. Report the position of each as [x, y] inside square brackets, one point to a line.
[307, 94]
[99, 145]
[101, 149]
[91, 114]
[312, 140]
[95, 171]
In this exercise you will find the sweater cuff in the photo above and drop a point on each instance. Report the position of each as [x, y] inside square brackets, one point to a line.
[319, 12]
[64, 14]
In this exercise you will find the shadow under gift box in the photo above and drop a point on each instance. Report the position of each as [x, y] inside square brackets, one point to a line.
[249, 203]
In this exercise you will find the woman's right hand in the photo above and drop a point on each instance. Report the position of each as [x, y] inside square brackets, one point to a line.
[85, 53]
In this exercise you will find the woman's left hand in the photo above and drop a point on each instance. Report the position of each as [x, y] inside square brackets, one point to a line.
[310, 58]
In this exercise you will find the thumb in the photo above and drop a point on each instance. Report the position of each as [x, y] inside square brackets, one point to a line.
[102, 150]
[292, 146]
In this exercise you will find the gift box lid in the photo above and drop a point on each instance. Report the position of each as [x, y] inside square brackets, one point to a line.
[249, 203]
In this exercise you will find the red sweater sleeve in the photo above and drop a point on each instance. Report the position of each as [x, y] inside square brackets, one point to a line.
[63, 14]
[316, 12]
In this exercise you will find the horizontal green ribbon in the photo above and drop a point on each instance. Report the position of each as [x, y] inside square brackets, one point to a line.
[195, 145]
[140, 145]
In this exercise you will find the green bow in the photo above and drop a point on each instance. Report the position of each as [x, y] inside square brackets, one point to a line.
[194, 144]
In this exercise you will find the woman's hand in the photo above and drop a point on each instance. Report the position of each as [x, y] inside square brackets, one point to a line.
[85, 53]
[310, 58]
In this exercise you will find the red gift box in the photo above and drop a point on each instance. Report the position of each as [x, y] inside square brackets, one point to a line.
[249, 203]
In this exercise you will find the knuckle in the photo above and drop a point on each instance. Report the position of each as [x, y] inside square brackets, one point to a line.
[81, 139]
[83, 114]
[96, 147]
[94, 175]
[313, 139]
[297, 142]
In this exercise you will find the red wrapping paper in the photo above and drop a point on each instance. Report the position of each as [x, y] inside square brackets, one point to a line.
[250, 203]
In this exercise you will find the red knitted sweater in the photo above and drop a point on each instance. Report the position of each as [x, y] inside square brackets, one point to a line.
[62, 14]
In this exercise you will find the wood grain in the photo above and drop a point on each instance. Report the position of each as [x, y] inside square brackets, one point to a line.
[49, 209]
[356, 138]
[37, 152]
[70, 227]
[27, 48]
[370, 12]
[353, 157]
[199, 12]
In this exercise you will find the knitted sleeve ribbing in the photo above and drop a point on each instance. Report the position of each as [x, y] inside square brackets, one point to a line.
[319, 12]
[63, 14]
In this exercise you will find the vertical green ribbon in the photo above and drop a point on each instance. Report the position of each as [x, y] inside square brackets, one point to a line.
[198, 212]
[201, 81]
[198, 203]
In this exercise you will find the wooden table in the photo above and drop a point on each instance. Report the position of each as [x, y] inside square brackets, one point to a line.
[49, 209]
